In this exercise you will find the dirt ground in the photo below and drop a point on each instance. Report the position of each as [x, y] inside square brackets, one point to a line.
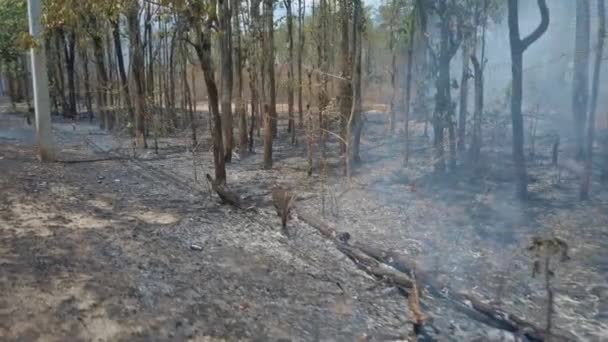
[102, 250]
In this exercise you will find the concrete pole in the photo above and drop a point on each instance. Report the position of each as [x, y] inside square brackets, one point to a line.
[46, 152]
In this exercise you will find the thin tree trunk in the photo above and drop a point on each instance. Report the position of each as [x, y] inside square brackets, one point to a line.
[476, 141]
[60, 84]
[87, 83]
[580, 82]
[241, 109]
[518, 47]
[270, 119]
[354, 119]
[464, 93]
[586, 184]
[408, 84]
[301, 37]
[137, 65]
[393, 51]
[70, 58]
[346, 93]
[122, 72]
[226, 76]
[203, 50]
[290, 73]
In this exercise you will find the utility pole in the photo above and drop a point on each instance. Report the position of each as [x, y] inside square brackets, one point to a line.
[40, 80]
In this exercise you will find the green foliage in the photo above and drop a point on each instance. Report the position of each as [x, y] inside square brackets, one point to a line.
[13, 20]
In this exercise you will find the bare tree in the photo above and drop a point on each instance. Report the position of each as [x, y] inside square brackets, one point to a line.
[518, 47]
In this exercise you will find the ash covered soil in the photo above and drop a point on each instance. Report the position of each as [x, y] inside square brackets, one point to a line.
[103, 250]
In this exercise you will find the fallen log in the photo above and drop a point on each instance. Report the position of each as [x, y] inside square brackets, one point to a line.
[395, 268]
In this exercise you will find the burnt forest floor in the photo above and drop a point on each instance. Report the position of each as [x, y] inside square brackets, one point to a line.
[99, 247]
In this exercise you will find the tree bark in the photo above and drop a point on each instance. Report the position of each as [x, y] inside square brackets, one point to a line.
[270, 100]
[518, 47]
[290, 73]
[354, 126]
[580, 82]
[393, 51]
[408, 84]
[87, 83]
[464, 93]
[203, 51]
[226, 76]
[476, 141]
[346, 92]
[137, 65]
[586, 183]
[301, 37]
[70, 58]
[124, 81]
[238, 66]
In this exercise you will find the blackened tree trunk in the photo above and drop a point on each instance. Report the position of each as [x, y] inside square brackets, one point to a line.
[84, 56]
[270, 120]
[122, 72]
[290, 73]
[475, 148]
[203, 51]
[70, 59]
[60, 79]
[226, 76]
[102, 81]
[518, 47]
[580, 82]
[464, 92]
[586, 184]
[444, 109]
[138, 68]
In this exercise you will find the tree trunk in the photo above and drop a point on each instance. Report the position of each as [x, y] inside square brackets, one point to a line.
[70, 58]
[102, 82]
[354, 120]
[123, 73]
[408, 84]
[586, 183]
[226, 76]
[518, 47]
[346, 92]
[580, 82]
[270, 122]
[87, 83]
[238, 66]
[60, 84]
[475, 148]
[290, 73]
[393, 51]
[301, 37]
[137, 65]
[203, 50]
[464, 93]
